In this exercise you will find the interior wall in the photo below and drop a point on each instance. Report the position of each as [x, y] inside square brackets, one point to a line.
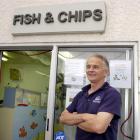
[29, 78]
[6, 123]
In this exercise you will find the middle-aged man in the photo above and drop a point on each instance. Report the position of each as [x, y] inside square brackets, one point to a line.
[95, 110]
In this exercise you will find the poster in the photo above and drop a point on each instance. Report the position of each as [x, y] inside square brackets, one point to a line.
[74, 79]
[120, 73]
[74, 72]
[70, 94]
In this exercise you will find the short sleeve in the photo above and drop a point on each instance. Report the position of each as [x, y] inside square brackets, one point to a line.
[111, 103]
[72, 107]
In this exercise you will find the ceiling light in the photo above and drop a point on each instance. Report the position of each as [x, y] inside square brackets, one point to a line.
[66, 54]
[4, 59]
[5, 53]
[41, 73]
[61, 57]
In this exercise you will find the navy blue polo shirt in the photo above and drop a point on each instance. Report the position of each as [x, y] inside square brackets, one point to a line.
[105, 99]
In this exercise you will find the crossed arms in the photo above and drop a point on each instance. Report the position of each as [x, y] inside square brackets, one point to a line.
[97, 123]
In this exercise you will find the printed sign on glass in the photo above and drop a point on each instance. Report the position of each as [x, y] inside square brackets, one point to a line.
[120, 73]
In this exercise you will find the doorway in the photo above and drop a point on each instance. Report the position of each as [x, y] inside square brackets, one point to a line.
[24, 93]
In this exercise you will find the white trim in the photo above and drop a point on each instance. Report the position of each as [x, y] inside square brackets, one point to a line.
[51, 95]
[136, 110]
[81, 43]
[126, 96]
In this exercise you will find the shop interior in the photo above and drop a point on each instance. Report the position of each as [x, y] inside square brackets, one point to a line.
[23, 94]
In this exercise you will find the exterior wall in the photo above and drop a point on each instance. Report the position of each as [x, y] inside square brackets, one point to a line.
[122, 22]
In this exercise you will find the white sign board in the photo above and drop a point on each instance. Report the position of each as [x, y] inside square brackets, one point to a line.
[120, 73]
[64, 18]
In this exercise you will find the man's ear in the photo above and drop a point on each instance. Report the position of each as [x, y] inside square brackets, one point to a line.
[107, 72]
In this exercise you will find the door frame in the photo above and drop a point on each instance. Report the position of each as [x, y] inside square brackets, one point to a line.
[54, 46]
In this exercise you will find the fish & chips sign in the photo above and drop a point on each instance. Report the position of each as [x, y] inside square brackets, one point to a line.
[70, 18]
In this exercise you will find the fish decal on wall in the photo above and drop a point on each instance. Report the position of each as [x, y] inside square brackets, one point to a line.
[33, 113]
[33, 125]
[22, 132]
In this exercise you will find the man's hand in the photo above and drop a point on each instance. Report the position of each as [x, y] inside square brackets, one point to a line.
[97, 123]
[70, 118]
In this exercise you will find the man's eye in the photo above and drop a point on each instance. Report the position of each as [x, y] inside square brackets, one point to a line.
[93, 67]
[96, 67]
[87, 66]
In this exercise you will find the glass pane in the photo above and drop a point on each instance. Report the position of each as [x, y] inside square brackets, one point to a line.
[24, 91]
[71, 78]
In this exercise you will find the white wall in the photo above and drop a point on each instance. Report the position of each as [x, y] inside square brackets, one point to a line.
[30, 80]
[122, 22]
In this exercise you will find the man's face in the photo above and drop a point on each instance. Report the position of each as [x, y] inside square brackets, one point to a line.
[96, 70]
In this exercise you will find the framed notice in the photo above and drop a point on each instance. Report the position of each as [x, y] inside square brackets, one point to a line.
[120, 73]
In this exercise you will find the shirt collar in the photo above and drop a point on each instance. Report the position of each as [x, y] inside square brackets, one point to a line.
[87, 87]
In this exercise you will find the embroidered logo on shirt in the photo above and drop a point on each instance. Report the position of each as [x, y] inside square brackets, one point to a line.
[97, 99]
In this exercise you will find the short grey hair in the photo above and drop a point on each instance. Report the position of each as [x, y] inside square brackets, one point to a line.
[103, 58]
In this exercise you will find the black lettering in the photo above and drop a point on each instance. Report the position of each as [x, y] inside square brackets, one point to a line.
[18, 18]
[86, 14]
[49, 18]
[73, 16]
[36, 19]
[80, 16]
[64, 15]
[97, 14]
[27, 19]
[22, 20]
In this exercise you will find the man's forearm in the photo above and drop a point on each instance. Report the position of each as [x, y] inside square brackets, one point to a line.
[71, 118]
[87, 126]
[97, 123]
[89, 123]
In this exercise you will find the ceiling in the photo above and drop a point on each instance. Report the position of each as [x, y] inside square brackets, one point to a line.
[28, 57]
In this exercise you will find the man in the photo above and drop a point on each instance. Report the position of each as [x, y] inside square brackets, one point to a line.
[96, 109]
